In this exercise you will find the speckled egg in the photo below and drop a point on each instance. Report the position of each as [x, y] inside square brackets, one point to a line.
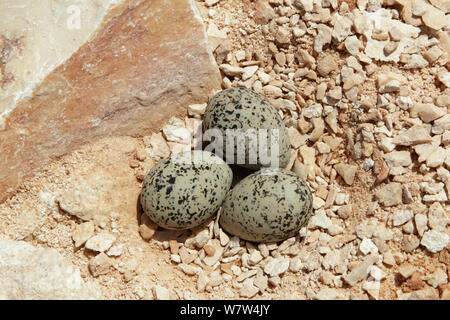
[183, 191]
[268, 206]
[243, 109]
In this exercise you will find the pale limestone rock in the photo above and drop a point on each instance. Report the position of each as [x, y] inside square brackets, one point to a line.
[161, 293]
[101, 242]
[385, 77]
[272, 92]
[347, 172]
[40, 274]
[326, 65]
[323, 148]
[327, 294]
[352, 44]
[295, 138]
[367, 246]
[318, 203]
[424, 150]
[190, 270]
[436, 158]
[255, 258]
[437, 278]
[386, 144]
[414, 135]
[441, 125]
[300, 169]
[248, 289]
[434, 18]
[263, 77]
[438, 218]
[306, 5]
[82, 233]
[443, 100]
[245, 275]
[215, 279]
[401, 217]
[261, 282]
[232, 71]
[283, 36]
[388, 258]
[115, 251]
[277, 266]
[389, 48]
[406, 270]
[426, 112]
[432, 188]
[433, 54]
[210, 3]
[202, 281]
[263, 12]
[100, 265]
[313, 111]
[332, 259]
[390, 194]
[377, 273]
[249, 72]
[197, 110]
[323, 37]
[175, 133]
[29, 58]
[147, 228]
[446, 139]
[434, 240]
[158, 145]
[215, 36]
[320, 220]
[178, 147]
[439, 197]
[361, 271]
[342, 27]
[444, 77]
[410, 242]
[381, 22]
[443, 5]
[398, 158]
[391, 86]
[416, 61]
[421, 222]
[407, 196]
[404, 102]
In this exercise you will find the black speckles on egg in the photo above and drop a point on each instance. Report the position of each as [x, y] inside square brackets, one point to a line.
[184, 194]
[241, 108]
[267, 206]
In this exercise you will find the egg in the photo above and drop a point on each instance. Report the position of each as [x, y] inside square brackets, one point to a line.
[243, 109]
[270, 205]
[184, 191]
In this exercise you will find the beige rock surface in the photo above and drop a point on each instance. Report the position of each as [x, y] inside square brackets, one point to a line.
[147, 56]
[34, 273]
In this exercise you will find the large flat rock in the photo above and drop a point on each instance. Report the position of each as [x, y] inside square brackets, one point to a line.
[30, 273]
[146, 62]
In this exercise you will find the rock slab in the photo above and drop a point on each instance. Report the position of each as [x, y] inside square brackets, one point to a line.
[148, 61]
[33, 273]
